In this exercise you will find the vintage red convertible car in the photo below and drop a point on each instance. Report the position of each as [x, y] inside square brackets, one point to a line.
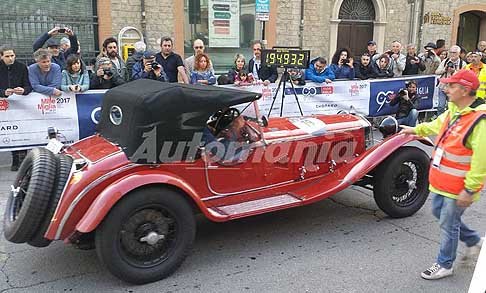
[132, 190]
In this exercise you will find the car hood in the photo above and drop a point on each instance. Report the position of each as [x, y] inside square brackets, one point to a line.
[316, 125]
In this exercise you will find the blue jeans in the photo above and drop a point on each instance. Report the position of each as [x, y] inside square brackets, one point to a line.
[451, 229]
[410, 119]
[442, 106]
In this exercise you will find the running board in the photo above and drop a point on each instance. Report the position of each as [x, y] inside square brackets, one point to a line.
[255, 207]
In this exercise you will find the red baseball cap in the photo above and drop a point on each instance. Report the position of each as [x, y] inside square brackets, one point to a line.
[465, 78]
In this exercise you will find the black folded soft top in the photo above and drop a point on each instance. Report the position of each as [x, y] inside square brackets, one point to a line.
[177, 111]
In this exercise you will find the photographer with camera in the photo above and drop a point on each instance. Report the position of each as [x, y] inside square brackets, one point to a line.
[446, 69]
[408, 104]
[397, 59]
[148, 68]
[342, 64]
[430, 59]
[413, 63]
[106, 76]
[53, 45]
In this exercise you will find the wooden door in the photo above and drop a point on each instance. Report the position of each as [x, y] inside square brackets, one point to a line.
[355, 36]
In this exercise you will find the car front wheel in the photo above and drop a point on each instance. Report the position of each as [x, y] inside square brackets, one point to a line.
[401, 182]
[147, 235]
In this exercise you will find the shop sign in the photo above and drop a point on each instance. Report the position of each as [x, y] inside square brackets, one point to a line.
[437, 18]
[224, 23]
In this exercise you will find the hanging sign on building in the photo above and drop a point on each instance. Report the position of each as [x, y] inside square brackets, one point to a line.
[262, 10]
[224, 23]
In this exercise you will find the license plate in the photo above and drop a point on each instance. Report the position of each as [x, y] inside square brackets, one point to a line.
[54, 146]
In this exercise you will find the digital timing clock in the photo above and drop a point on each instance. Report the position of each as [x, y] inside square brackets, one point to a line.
[288, 58]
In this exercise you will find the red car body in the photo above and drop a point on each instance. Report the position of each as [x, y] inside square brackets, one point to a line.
[289, 164]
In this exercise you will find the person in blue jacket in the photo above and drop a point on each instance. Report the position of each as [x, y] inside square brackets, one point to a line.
[44, 75]
[342, 64]
[318, 71]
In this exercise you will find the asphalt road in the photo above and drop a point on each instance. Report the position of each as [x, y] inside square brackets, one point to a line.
[343, 244]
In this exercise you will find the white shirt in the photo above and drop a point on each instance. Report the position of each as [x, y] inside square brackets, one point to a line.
[256, 67]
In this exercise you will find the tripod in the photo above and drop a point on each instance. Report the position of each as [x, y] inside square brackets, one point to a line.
[283, 80]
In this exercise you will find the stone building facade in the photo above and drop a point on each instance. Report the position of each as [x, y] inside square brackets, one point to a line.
[409, 21]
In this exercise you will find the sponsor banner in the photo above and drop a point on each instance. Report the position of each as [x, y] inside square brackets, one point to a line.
[383, 91]
[314, 98]
[224, 23]
[24, 119]
[89, 111]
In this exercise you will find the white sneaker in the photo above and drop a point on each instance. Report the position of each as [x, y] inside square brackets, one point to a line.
[436, 272]
[472, 253]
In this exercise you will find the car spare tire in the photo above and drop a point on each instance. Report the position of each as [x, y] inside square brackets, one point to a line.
[401, 184]
[65, 165]
[29, 198]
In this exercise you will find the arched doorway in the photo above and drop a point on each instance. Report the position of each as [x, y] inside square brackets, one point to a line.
[356, 26]
[469, 29]
[465, 30]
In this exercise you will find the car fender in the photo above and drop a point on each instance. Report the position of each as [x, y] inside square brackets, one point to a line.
[115, 191]
[376, 155]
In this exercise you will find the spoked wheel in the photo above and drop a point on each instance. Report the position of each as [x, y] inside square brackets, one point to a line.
[147, 235]
[18, 195]
[404, 187]
[401, 182]
[29, 195]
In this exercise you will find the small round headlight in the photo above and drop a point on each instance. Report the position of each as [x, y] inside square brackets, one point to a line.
[388, 126]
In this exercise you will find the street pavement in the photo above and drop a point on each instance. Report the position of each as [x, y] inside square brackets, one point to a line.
[343, 244]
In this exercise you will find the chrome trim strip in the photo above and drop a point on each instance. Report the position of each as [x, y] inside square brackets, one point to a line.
[83, 193]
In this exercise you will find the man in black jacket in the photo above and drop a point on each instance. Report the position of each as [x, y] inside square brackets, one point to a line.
[408, 103]
[265, 73]
[14, 79]
[53, 45]
[363, 68]
[413, 63]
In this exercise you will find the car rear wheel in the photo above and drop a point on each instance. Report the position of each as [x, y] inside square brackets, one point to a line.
[29, 197]
[401, 182]
[147, 235]
[65, 165]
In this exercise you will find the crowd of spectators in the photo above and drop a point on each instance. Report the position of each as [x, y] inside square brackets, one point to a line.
[59, 67]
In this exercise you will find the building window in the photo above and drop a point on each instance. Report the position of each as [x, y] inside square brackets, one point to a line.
[24, 21]
[357, 10]
[227, 27]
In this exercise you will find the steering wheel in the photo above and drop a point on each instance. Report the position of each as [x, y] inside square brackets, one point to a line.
[225, 119]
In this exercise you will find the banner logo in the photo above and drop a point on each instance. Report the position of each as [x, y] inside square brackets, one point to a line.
[3, 104]
[354, 90]
[47, 105]
[384, 98]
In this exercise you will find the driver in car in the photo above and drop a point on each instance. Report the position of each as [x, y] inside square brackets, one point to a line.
[229, 129]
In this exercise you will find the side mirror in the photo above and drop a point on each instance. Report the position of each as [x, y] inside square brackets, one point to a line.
[264, 121]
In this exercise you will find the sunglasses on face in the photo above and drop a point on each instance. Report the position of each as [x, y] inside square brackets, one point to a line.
[198, 47]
